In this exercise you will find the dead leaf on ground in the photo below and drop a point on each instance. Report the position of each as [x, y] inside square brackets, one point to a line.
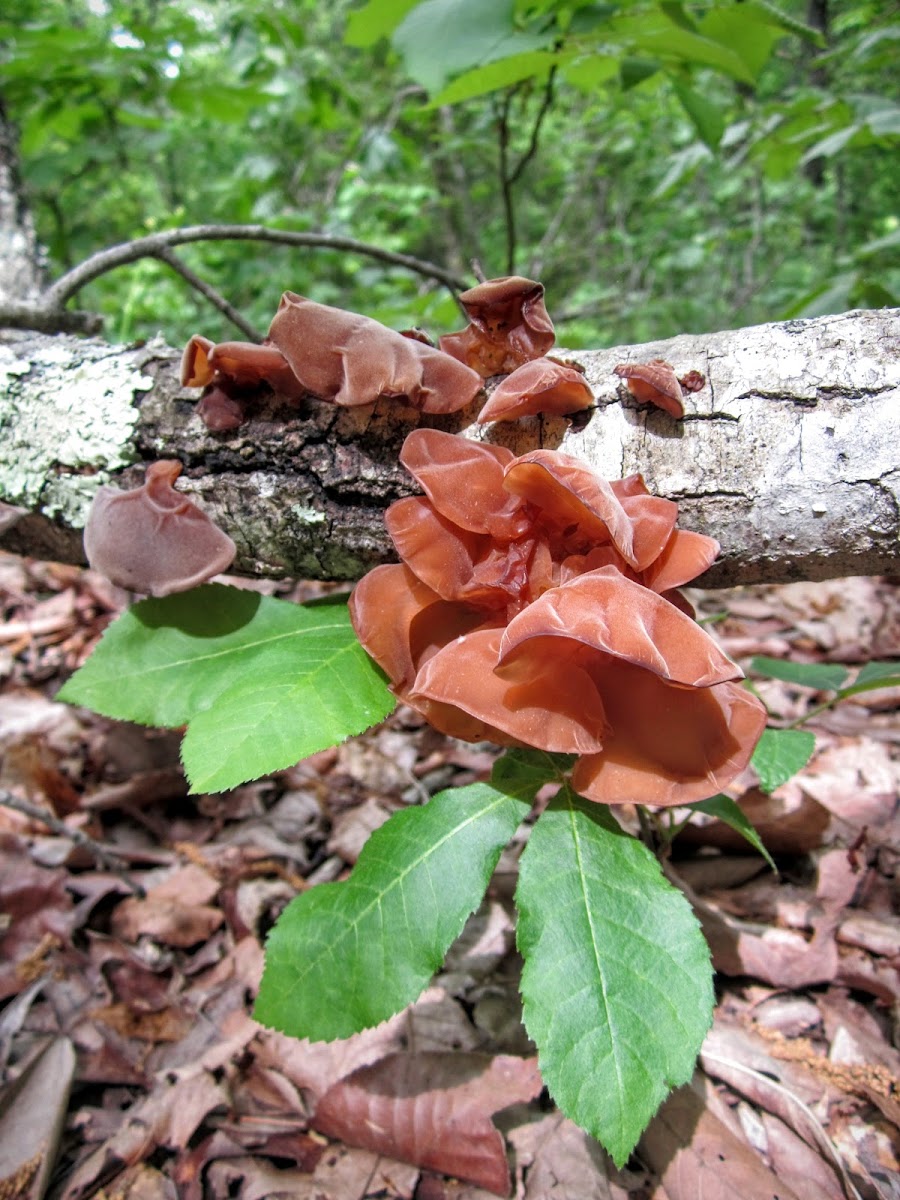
[558, 1161]
[433, 1110]
[37, 915]
[174, 912]
[32, 1117]
[696, 1155]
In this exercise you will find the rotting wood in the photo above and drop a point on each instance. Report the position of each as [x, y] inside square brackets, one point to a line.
[789, 455]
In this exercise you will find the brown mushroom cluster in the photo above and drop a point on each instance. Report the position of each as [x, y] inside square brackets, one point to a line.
[536, 605]
[314, 349]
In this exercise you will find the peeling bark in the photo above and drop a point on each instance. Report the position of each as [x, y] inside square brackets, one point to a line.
[788, 455]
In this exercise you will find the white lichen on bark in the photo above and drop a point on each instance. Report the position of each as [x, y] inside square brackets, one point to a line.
[68, 422]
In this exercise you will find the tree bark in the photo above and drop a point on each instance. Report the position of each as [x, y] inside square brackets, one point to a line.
[789, 454]
[21, 273]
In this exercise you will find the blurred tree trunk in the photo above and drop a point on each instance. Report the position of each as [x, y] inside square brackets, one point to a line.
[21, 268]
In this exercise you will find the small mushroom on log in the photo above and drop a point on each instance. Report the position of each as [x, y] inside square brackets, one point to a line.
[540, 386]
[508, 326]
[653, 382]
[153, 539]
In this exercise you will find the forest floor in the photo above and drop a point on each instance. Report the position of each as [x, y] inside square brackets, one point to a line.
[132, 923]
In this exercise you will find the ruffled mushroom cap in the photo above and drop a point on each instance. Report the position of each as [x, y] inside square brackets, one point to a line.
[579, 507]
[606, 669]
[464, 480]
[692, 381]
[154, 539]
[508, 326]
[653, 382]
[540, 386]
[494, 628]
[238, 365]
[246, 365]
[352, 360]
[196, 370]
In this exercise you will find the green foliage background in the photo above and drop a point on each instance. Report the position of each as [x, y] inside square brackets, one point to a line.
[698, 165]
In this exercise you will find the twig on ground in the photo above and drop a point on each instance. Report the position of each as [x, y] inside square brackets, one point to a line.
[110, 859]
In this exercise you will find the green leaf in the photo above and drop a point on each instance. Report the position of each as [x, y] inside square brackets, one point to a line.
[536, 64]
[749, 32]
[375, 20]
[617, 981]
[345, 956]
[770, 11]
[442, 38]
[633, 71]
[261, 683]
[706, 117]
[727, 810]
[780, 754]
[587, 72]
[872, 676]
[824, 677]
[652, 34]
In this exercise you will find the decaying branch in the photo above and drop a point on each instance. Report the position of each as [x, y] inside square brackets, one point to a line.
[789, 455]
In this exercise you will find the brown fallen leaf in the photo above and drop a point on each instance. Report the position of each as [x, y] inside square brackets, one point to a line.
[255, 1179]
[37, 915]
[432, 1110]
[559, 1161]
[696, 1155]
[807, 1172]
[32, 1116]
[176, 912]
[169, 1116]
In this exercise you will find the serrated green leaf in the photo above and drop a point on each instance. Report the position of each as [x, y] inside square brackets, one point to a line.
[824, 677]
[725, 809]
[261, 683]
[872, 676]
[617, 981]
[780, 754]
[345, 956]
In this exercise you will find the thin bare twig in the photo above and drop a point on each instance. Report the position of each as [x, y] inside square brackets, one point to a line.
[149, 247]
[506, 191]
[546, 105]
[110, 859]
[216, 299]
[509, 176]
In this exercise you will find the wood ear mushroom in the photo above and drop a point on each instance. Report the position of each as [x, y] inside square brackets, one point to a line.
[653, 382]
[153, 539]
